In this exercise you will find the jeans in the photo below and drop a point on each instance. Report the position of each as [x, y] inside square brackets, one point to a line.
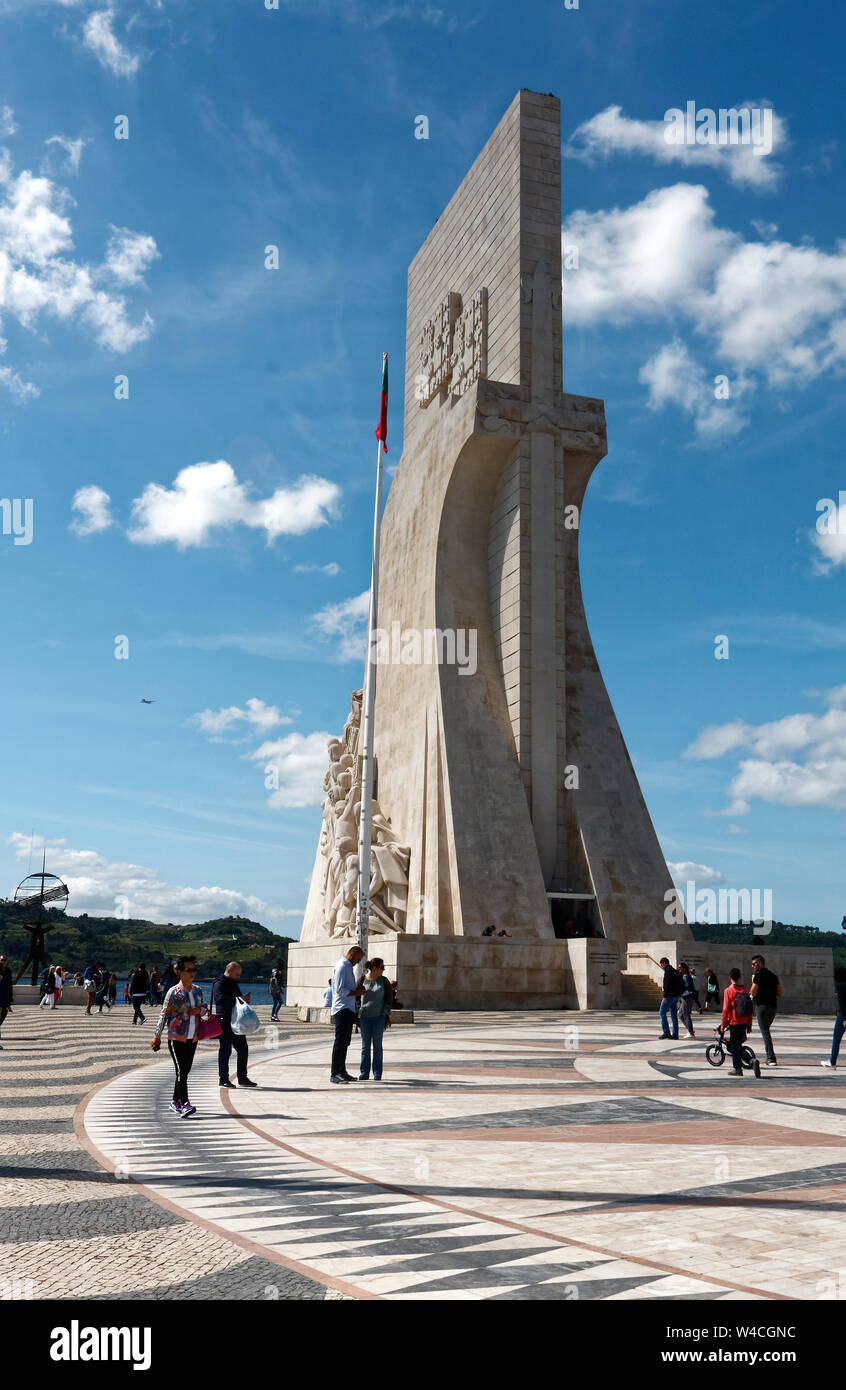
[684, 1012]
[277, 1005]
[839, 1029]
[736, 1039]
[372, 1032]
[137, 1001]
[343, 1021]
[671, 1007]
[225, 1044]
[765, 1013]
[183, 1055]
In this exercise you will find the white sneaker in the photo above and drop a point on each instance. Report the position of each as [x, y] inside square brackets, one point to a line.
[771, 1064]
[833, 1065]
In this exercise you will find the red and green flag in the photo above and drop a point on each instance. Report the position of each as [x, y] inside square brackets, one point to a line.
[382, 427]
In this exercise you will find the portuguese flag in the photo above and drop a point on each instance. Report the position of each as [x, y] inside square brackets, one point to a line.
[382, 427]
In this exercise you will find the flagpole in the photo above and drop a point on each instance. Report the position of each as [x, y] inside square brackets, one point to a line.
[365, 827]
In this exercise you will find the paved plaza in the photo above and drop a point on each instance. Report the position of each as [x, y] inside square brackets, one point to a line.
[503, 1156]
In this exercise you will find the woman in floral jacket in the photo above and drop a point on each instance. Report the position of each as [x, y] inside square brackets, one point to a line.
[182, 1010]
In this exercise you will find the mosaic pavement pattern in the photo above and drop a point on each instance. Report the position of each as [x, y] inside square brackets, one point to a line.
[533, 1156]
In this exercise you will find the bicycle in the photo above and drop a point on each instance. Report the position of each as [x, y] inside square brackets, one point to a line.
[715, 1055]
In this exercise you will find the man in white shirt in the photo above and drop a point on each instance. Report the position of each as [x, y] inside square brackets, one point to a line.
[344, 995]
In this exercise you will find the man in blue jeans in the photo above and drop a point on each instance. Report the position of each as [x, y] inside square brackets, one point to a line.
[671, 991]
[344, 995]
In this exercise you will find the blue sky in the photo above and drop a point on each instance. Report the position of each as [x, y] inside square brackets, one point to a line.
[238, 583]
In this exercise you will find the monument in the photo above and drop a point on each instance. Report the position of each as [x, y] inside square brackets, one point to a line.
[504, 795]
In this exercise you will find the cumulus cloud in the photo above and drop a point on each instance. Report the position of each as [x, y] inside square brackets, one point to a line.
[7, 121]
[686, 870]
[770, 312]
[92, 504]
[799, 760]
[21, 390]
[129, 254]
[207, 498]
[673, 377]
[296, 766]
[610, 132]
[346, 622]
[39, 279]
[261, 718]
[72, 148]
[99, 37]
[106, 887]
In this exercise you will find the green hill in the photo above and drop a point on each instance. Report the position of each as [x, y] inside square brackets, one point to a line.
[73, 942]
[782, 934]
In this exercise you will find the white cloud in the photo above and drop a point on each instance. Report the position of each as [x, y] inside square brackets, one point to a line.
[831, 543]
[39, 277]
[674, 378]
[610, 132]
[770, 312]
[259, 716]
[129, 254]
[207, 498]
[92, 503]
[72, 148]
[775, 773]
[346, 621]
[300, 761]
[7, 121]
[100, 38]
[683, 872]
[332, 568]
[100, 886]
[21, 390]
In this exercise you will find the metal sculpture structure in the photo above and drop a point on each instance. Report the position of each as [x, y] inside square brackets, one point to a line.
[31, 897]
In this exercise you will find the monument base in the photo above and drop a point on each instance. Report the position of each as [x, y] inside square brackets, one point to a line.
[475, 973]
[806, 972]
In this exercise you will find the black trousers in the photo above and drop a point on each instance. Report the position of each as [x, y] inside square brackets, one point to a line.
[343, 1020]
[137, 1001]
[182, 1054]
[736, 1039]
[225, 1044]
[4, 1009]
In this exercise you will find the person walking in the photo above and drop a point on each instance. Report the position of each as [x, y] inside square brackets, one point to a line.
[42, 983]
[102, 995]
[672, 988]
[374, 1016]
[695, 978]
[58, 985]
[686, 998]
[155, 980]
[327, 994]
[111, 990]
[139, 988]
[169, 978]
[182, 1010]
[277, 989]
[225, 991]
[7, 990]
[344, 995]
[737, 1017]
[49, 986]
[89, 984]
[839, 1022]
[765, 992]
[712, 989]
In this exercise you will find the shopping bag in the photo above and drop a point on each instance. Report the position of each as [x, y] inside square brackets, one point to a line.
[244, 1018]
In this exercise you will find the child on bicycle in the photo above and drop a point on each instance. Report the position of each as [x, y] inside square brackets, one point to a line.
[737, 1017]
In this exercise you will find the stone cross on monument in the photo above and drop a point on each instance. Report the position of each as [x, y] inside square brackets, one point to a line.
[505, 794]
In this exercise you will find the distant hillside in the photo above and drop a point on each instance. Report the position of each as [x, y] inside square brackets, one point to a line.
[122, 943]
[782, 934]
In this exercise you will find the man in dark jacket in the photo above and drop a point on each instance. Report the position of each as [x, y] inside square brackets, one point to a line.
[671, 991]
[139, 988]
[225, 990]
[6, 993]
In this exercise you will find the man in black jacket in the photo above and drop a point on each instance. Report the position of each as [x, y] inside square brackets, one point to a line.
[225, 990]
[139, 986]
[6, 994]
[671, 991]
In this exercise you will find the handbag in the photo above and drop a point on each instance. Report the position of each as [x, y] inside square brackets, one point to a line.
[210, 1027]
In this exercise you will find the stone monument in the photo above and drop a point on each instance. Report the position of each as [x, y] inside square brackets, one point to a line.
[505, 795]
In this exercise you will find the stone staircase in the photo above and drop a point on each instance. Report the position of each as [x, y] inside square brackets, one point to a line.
[640, 992]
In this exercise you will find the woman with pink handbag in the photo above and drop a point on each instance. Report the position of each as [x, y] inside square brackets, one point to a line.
[182, 1011]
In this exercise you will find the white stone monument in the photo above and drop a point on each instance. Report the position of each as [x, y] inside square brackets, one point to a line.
[505, 795]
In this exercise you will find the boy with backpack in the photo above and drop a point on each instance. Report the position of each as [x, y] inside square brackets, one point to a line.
[737, 1017]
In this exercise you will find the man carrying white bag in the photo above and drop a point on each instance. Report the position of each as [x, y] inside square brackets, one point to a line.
[236, 1019]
